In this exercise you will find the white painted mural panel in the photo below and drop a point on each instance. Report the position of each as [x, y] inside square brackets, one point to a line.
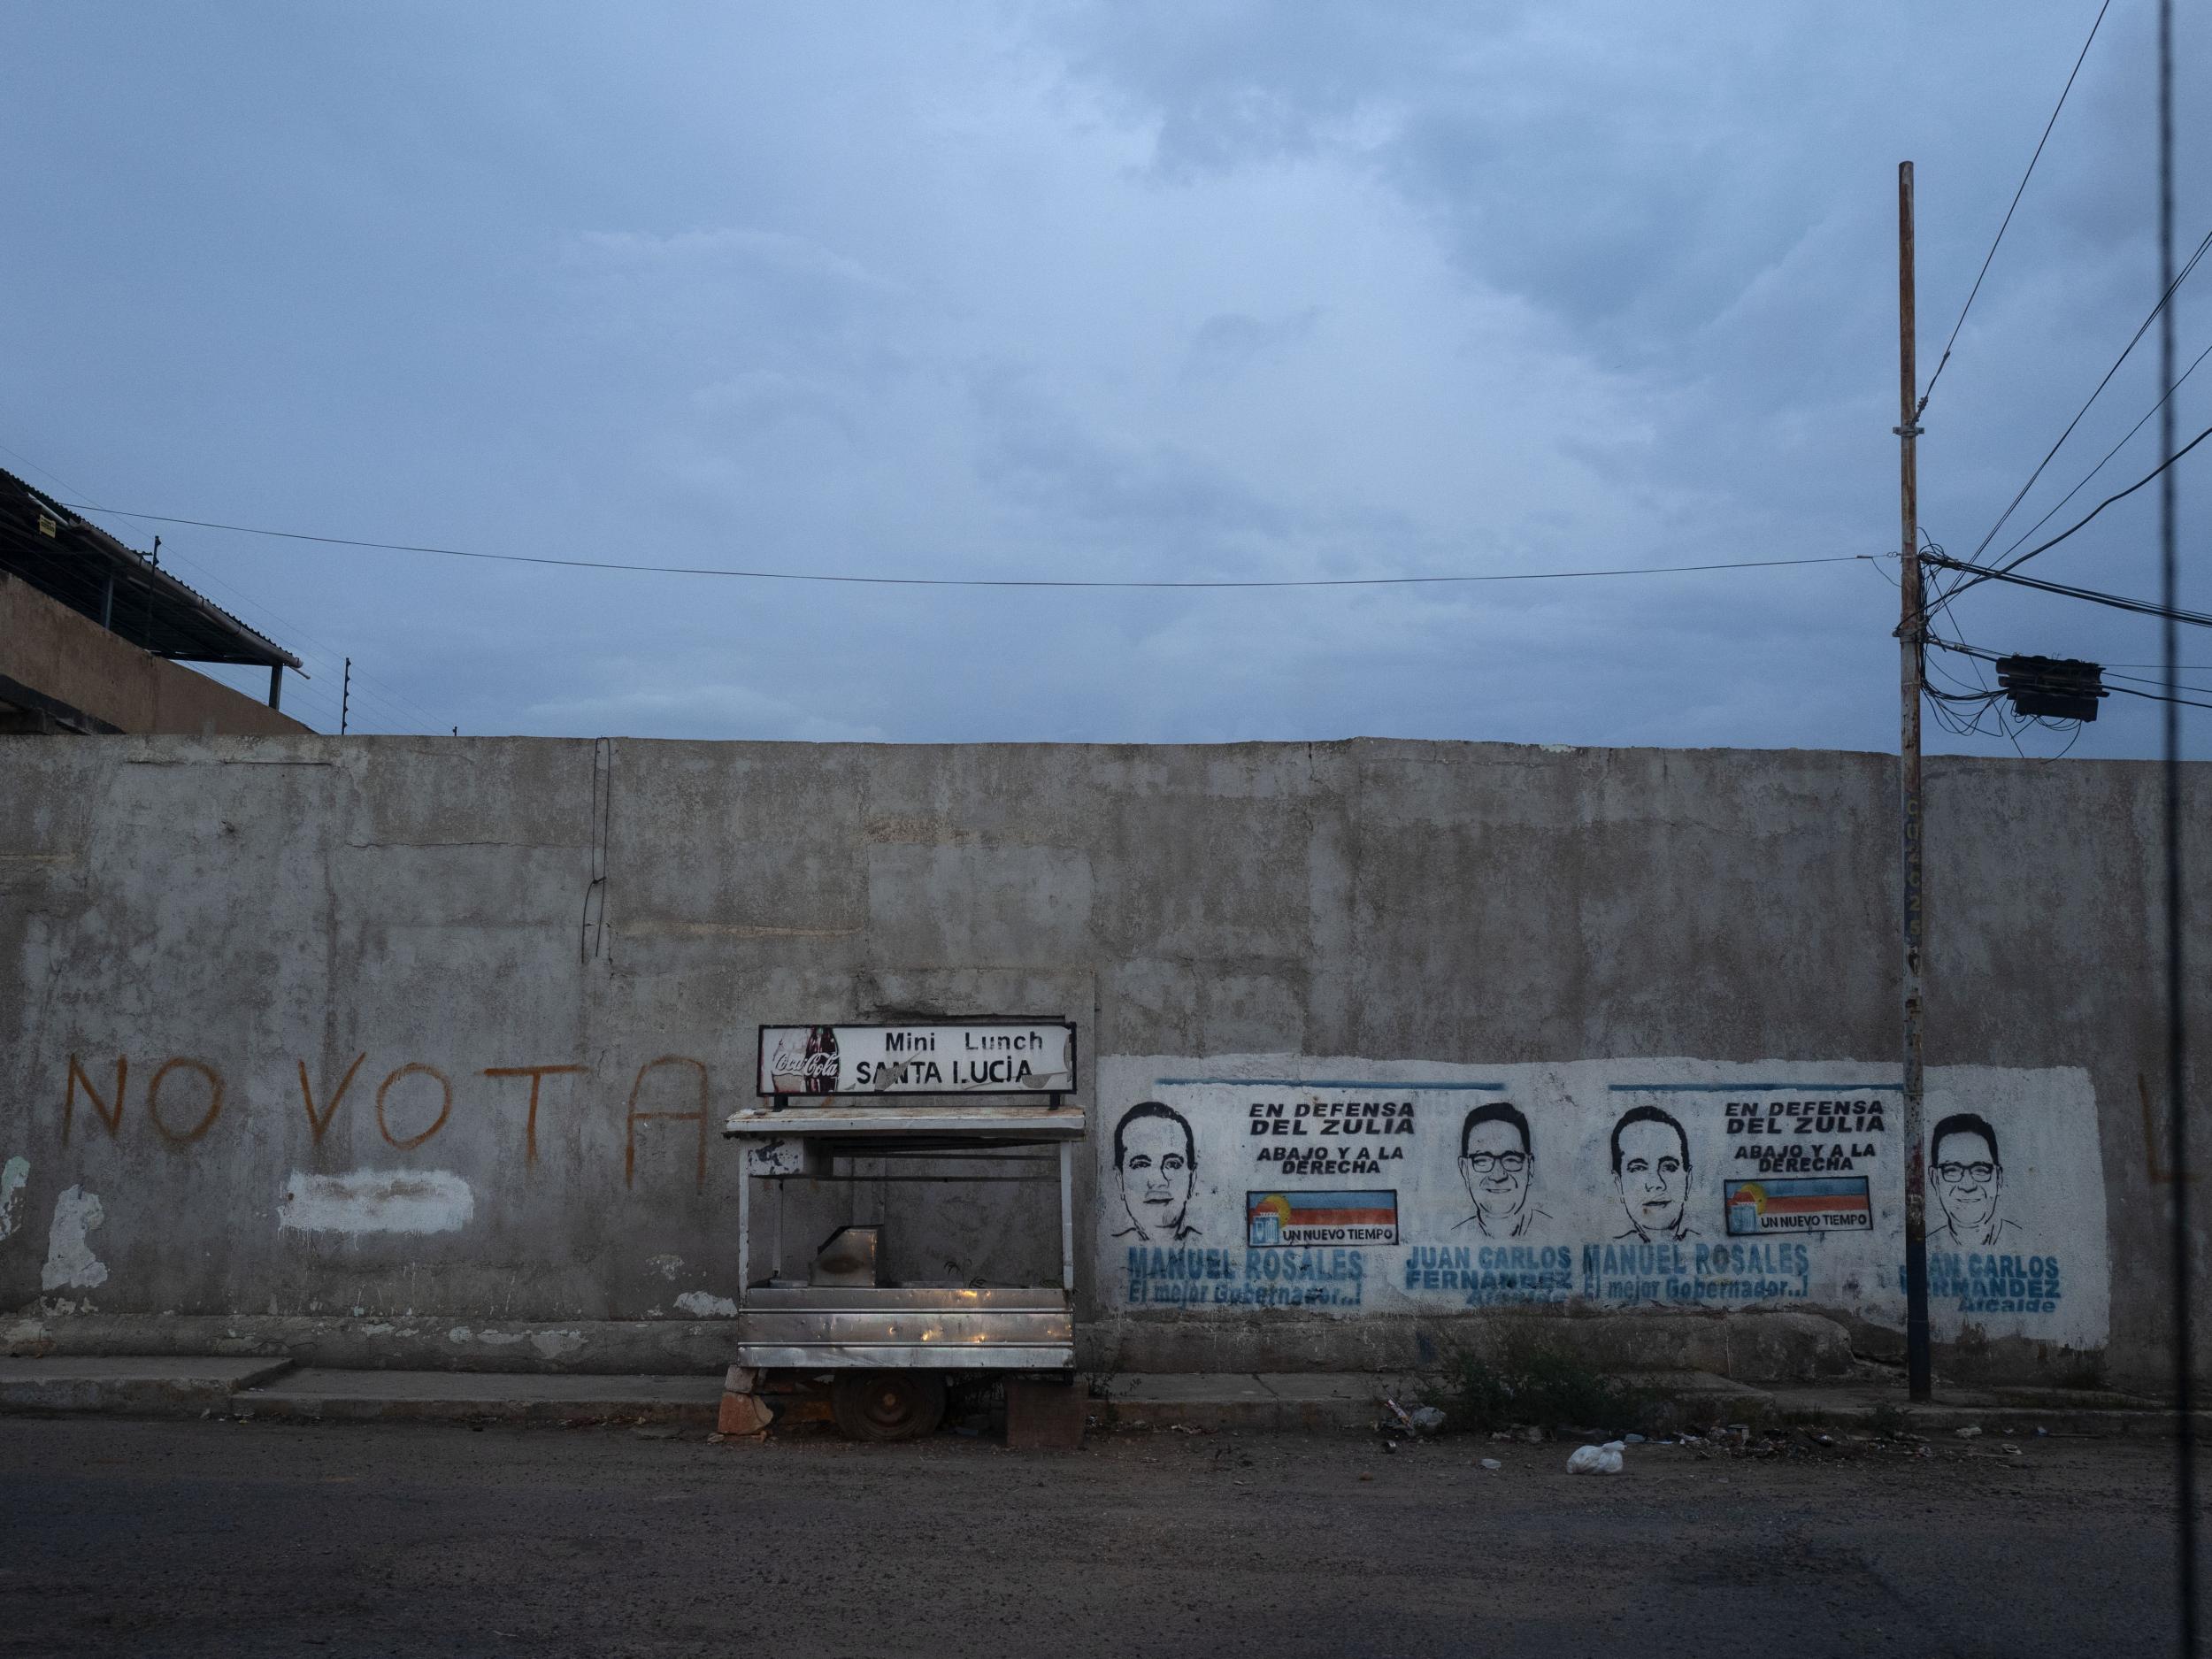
[1351, 1186]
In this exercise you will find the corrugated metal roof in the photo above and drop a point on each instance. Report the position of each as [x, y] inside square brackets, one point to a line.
[71, 560]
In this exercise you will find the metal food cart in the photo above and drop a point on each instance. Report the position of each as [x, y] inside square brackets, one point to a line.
[832, 1095]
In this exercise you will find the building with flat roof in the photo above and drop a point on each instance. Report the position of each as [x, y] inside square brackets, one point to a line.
[92, 634]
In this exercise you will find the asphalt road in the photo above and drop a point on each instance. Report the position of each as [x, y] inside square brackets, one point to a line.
[120, 1537]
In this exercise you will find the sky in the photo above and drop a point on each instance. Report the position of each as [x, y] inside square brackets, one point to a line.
[1132, 291]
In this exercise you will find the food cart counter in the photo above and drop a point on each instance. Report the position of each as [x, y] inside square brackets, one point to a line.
[856, 1324]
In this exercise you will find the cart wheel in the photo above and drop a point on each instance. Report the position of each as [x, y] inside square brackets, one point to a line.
[887, 1405]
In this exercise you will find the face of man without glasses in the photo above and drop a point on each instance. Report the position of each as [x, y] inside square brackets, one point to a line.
[1654, 1176]
[1968, 1182]
[1496, 1167]
[1155, 1173]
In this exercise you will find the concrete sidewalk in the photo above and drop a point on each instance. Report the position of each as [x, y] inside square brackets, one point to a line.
[274, 1389]
[264, 1389]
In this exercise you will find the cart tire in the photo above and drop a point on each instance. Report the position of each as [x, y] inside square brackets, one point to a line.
[887, 1405]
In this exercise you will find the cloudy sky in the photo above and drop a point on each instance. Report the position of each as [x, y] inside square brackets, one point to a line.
[1132, 291]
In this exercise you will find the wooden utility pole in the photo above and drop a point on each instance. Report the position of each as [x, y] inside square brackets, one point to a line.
[1911, 635]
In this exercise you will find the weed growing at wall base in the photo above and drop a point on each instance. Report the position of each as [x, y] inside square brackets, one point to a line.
[1531, 1382]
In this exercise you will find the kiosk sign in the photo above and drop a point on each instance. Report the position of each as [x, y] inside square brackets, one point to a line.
[977, 1057]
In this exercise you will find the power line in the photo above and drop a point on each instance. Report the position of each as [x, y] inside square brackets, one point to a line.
[2053, 510]
[1983, 654]
[2140, 680]
[376, 689]
[323, 658]
[2118, 602]
[2144, 328]
[249, 604]
[1987, 702]
[2186, 703]
[327, 652]
[2016, 195]
[975, 582]
[2173, 455]
[1979, 573]
[46, 471]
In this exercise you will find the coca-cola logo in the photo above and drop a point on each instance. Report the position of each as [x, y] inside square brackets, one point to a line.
[789, 1060]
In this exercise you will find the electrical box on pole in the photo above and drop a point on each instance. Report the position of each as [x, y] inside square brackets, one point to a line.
[2055, 687]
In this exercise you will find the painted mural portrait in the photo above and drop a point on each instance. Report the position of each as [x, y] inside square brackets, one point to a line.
[1500, 1171]
[1651, 1172]
[1155, 1161]
[1968, 1181]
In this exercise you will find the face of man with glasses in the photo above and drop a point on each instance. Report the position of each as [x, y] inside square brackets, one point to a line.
[1495, 1165]
[1968, 1180]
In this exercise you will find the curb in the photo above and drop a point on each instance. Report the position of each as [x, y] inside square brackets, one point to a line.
[272, 1390]
[1244, 1417]
[277, 1406]
[154, 1388]
[340, 1396]
[2095, 1423]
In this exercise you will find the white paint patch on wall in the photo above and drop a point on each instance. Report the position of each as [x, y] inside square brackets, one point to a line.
[700, 1305]
[376, 1201]
[70, 1263]
[461, 1333]
[12, 1175]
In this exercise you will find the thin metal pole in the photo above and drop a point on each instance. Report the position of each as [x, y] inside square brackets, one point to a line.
[2176, 1030]
[345, 697]
[744, 1219]
[1911, 633]
[1067, 1216]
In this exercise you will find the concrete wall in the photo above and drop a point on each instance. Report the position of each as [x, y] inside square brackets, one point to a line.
[408, 1050]
[71, 659]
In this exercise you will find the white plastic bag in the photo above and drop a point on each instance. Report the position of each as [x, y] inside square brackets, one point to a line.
[1595, 1460]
